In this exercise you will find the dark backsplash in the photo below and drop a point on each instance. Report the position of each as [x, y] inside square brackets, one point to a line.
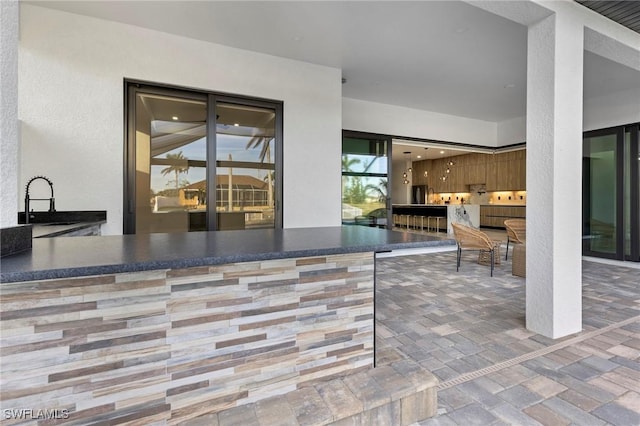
[64, 217]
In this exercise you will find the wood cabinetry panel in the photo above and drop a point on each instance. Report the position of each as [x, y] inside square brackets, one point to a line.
[500, 172]
[494, 216]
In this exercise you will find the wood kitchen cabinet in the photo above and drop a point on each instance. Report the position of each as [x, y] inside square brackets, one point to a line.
[500, 172]
[507, 171]
[474, 169]
[494, 216]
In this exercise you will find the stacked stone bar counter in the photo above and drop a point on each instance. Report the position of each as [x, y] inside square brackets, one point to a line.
[169, 327]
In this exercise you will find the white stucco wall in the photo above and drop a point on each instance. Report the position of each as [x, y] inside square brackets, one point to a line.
[9, 145]
[512, 131]
[613, 109]
[407, 122]
[71, 71]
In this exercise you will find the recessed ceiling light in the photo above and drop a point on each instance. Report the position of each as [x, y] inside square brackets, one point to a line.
[418, 156]
[236, 124]
[297, 38]
[509, 86]
[441, 152]
[175, 117]
[461, 30]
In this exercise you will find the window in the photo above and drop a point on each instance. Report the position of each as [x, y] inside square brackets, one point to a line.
[365, 180]
[182, 143]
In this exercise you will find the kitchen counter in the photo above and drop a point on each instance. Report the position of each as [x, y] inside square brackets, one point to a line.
[183, 324]
[73, 257]
[465, 214]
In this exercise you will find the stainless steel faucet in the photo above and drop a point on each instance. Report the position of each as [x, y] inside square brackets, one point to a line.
[27, 199]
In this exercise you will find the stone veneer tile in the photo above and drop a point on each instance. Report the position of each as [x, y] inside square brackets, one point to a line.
[47, 311]
[202, 339]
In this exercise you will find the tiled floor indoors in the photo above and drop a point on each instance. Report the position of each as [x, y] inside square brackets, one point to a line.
[468, 329]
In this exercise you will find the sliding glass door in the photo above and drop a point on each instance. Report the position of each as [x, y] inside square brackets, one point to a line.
[200, 161]
[245, 165]
[365, 179]
[610, 194]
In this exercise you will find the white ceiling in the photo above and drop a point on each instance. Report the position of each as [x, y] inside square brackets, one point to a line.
[443, 56]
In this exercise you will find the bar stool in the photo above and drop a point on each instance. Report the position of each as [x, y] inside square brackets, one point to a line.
[429, 222]
[409, 221]
[437, 219]
[421, 222]
[403, 220]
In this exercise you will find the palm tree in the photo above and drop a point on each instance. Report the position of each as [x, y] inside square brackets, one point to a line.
[179, 165]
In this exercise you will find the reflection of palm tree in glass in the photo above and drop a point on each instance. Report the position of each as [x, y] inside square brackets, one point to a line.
[264, 142]
[379, 190]
[347, 164]
[180, 166]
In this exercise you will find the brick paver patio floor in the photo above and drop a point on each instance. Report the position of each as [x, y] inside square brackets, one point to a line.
[469, 330]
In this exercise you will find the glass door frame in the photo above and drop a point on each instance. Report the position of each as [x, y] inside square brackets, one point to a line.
[634, 186]
[214, 100]
[133, 87]
[388, 139]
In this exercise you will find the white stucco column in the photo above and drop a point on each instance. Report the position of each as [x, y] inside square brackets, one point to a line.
[554, 176]
[9, 22]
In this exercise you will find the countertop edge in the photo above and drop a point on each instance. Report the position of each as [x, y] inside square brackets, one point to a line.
[148, 265]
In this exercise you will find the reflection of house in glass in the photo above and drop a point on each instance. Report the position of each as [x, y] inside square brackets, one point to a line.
[246, 191]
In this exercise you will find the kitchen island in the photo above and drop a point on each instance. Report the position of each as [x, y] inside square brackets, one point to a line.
[169, 327]
[465, 214]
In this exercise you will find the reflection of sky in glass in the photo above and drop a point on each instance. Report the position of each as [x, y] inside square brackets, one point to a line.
[237, 147]
[194, 151]
[227, 144]
[365, 163]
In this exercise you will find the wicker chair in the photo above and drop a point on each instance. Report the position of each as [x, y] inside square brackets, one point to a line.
[516, 232]
[473, 239]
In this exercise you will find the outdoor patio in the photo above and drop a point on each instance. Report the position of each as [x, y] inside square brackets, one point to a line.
[469, 330]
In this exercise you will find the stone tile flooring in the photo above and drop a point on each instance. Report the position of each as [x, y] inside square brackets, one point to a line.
[468, 329]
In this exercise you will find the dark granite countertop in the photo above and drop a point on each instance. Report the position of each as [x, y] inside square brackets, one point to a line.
[74, 257]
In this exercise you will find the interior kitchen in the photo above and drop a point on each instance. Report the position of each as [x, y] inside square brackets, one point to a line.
[436, 185]
[427, 186]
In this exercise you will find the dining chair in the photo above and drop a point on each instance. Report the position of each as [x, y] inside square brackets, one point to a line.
[469, 238]
[516, 232]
